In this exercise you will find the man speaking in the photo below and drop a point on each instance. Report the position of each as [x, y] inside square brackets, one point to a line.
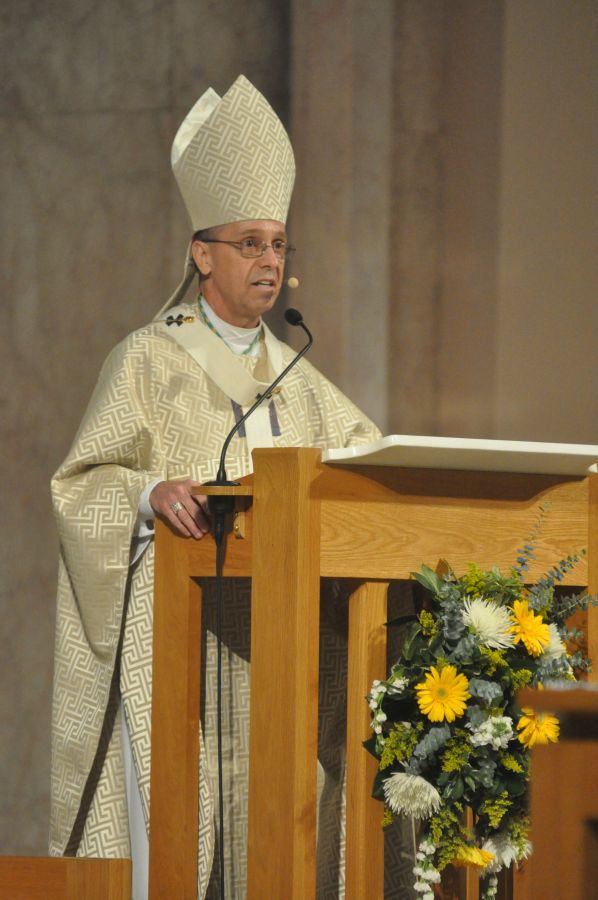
[166, 398]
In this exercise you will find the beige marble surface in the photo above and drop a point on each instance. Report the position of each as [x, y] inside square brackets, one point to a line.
[469, 298]
[80, 56]
[342, 124]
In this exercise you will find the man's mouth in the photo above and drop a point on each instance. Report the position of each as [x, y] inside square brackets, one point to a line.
[265, 282]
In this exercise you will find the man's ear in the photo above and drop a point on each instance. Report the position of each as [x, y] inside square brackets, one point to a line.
[201, 257]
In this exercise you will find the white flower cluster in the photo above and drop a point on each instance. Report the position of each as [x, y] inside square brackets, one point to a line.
[395, 685]
[490, 622]
[504, 851]
[377, 719]
[496, 732]
[425, 871]
[491, 889]
[374, 700]
[376, 693]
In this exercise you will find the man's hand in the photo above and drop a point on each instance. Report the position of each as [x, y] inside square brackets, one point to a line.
[189, 516]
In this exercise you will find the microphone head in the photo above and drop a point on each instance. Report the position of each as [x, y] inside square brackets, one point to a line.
[292, 282]
[293, 316]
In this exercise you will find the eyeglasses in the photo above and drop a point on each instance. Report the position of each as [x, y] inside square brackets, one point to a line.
[251, 248]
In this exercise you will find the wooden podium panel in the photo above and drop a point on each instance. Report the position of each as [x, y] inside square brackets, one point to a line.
[308, 520]
[392, 520]
[564, 799]
[64, 878]
[284, 640]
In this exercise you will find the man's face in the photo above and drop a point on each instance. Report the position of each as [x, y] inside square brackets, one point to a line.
[241, 289]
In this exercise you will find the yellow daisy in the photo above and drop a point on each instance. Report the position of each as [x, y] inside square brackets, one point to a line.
[537, 728]
[443, 695]
[529, 628]
[467, 855]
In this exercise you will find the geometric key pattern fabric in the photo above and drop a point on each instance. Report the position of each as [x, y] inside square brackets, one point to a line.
[239, 165]
[156, 414]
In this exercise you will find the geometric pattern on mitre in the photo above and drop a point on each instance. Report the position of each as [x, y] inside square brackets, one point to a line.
[238, 164]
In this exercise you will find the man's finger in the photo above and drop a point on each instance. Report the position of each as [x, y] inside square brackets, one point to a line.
[186, 519]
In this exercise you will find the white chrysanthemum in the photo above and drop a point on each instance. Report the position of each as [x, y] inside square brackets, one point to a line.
[504, 852]
[495, 732]
[489, 621]
[556, 648]
[411, 795]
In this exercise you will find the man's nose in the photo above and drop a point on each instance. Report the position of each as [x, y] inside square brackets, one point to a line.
[269, 257]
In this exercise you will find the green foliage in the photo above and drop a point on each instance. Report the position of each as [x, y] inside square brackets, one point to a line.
[413, 642]
[428, 624]
[474, 581]
[400, 743]
[493, 660]
[509, 762]
[456, 752]
[448, 833]
[488, 691]
[518, 829]
[493, 584]
[496, 809]
[429, 579]
[427, 748]
[388, 817]
[520, 678]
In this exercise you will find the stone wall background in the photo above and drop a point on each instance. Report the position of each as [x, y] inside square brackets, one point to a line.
[444, 211]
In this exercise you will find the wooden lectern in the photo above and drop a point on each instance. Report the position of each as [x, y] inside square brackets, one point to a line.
[64, 878]
[304, 520]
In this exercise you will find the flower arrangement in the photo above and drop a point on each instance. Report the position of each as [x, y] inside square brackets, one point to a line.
[448, 733]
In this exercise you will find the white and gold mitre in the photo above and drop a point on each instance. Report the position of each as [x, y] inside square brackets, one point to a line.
[232, 159]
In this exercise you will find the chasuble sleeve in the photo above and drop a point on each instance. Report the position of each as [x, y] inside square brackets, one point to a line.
[335, 421]
[115, 454]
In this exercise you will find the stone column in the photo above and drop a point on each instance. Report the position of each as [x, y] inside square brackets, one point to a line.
[415, 237]
[470, 220]
[341, 90]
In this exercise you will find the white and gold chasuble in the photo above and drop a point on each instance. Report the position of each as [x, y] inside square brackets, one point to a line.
[165, 400]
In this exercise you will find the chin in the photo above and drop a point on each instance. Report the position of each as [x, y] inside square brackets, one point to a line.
[268, 301]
